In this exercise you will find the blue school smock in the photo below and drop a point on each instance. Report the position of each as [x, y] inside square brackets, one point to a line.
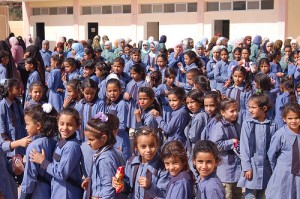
[147, 119]
[8, 186]
[210, 187]
[153, 169]
[34, 76]
[210, 66]
[272, 97]
[131, 63]
[8, 131]
[174, 129]
[65, 169]
[283, 184]
[36, 182]
[87, 110]
[54, 82]
[281, 100]
[275, 67]
[182, 76]
[104, 167]
[180, 186]
[297, 74]
[163, 100]
[87, 158]
[221, 75]
[222, 134]
[232, 64]
[32, 102]
[132, 103]
[3, 73]
[254, 145]
[242, 96]
[148, 61]
[73, 75]
[126, 58]
[292, 70]
[120, 109]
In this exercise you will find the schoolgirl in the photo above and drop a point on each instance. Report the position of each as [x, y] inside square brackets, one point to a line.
[236, 61]
[126, 55]
[210, 66]
[150, 58]
[102, 70]
[221, 72]
[226, 133]
[200, 49]
[145, 49]
[108, 52]
[145, 174]
[256, 135]
[135, 59]
[117, 68]
[31, 66]
[70, 65]
[4, 59]
[65, 167]
[275, 65]
[74, 94]
[162, 62]
[36, 94]
[89, 71]
[201, 83]
[41, 126]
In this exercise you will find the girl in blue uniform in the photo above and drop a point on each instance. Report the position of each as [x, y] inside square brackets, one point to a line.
[174, 129]
[241, 90]
[55, 84]
[256, 135]
[176, 162]
[138, 75]
[206, 159]
[201, 83]
[117, 106]
[36, 94]
[226, 133]
[145, 174]
[264, 66]
[31, 66]
[102, 70]
[41, 126]
[74, 93]
[221, 72]
[284, 157]
[162, 62]
[65, 167]
[161, 93]
[90, 105]
[106, 160]
[211, 65]
[70, 65]
[135, 59]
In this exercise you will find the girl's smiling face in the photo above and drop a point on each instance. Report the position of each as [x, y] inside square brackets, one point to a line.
[67, 126]
[147, 147]
[174, 165]
[205, 164]
[231, 112]
[292, 120]
[238, 77]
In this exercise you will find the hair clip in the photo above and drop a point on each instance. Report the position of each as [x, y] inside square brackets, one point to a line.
[47, 108]
[101, 116]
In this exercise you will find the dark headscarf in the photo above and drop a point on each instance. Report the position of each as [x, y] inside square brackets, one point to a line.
[38, 43]
[163, 39]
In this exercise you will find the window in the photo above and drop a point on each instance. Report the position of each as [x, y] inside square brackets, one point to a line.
[96, 9]
[36, 11]
[86, 10]
[267, 4]
[212, 6]
[192, 7]
[146, 8]
[225, 6]
[62, 11]
[53, 11]
[69, 10]
[181, 7]
[170, 7]
[106, 10]
[44, 11]
[157, 8]
[126, 8]
[239, 5]
[117, 9]
[252, 5]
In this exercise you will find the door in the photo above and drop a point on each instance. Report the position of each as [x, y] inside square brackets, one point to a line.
[40, 30]
[222, 27]
[153, 30]
[92, 30]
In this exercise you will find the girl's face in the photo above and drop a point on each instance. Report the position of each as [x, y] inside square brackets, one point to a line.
[152, 48]
[295, 57]
[147, 147]
[174, 101]
[127, 50]
[36, 93]
[237, 55]
[89, 94]
[98, 72]
[265, 68]
[298, 91]
[294, 46]
[269, 48]
[205, 164]
[113, 92]
[88, 71]
[136, 57]
[224, 55]
[258, 113]
[216, 54]
[53, 63]
[67, 126]
[231, 113]
[107, 47]
[74, 94]
[15, 91]
[210, 106]
[287, 51]
[60, 50]
[5, 60]
[170, 80]
[29, 67]
[161, 62]
[200, 51]
[68, 67]
[292, 120]
[245, 54]
[174, 165]
[93, 142]
[144, 100]
[188, 60]
[145, 46]
[73, 52]
[32, 128]
[238, 78]
[178, 48]
[135, 76]
[192, 105]
[118, 68]
[87, 56]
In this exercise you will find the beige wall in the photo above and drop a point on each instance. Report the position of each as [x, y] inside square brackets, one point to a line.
[293, 25]
[4, 30]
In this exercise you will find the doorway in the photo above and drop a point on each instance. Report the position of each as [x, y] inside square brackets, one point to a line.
[40, 30]
[153, 30]
[222, 27]
[92, 30]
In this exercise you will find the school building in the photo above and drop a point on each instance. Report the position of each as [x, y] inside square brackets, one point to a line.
[178, 19]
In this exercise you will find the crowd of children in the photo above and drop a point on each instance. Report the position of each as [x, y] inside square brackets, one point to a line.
[194, 121]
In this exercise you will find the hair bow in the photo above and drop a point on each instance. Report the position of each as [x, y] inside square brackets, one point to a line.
[101, 116]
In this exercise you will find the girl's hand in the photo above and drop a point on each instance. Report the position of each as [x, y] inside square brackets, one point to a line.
[67, 101]
[235, 141]
[166, 93]
[116, 183]
[138, 114]
[37, 157]
[154, 112]
[85, 183]
[248, 175]
[59, 90]
[126, 96]
[24, 142]
[227, 83]
[144, 182]
[64, 77]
